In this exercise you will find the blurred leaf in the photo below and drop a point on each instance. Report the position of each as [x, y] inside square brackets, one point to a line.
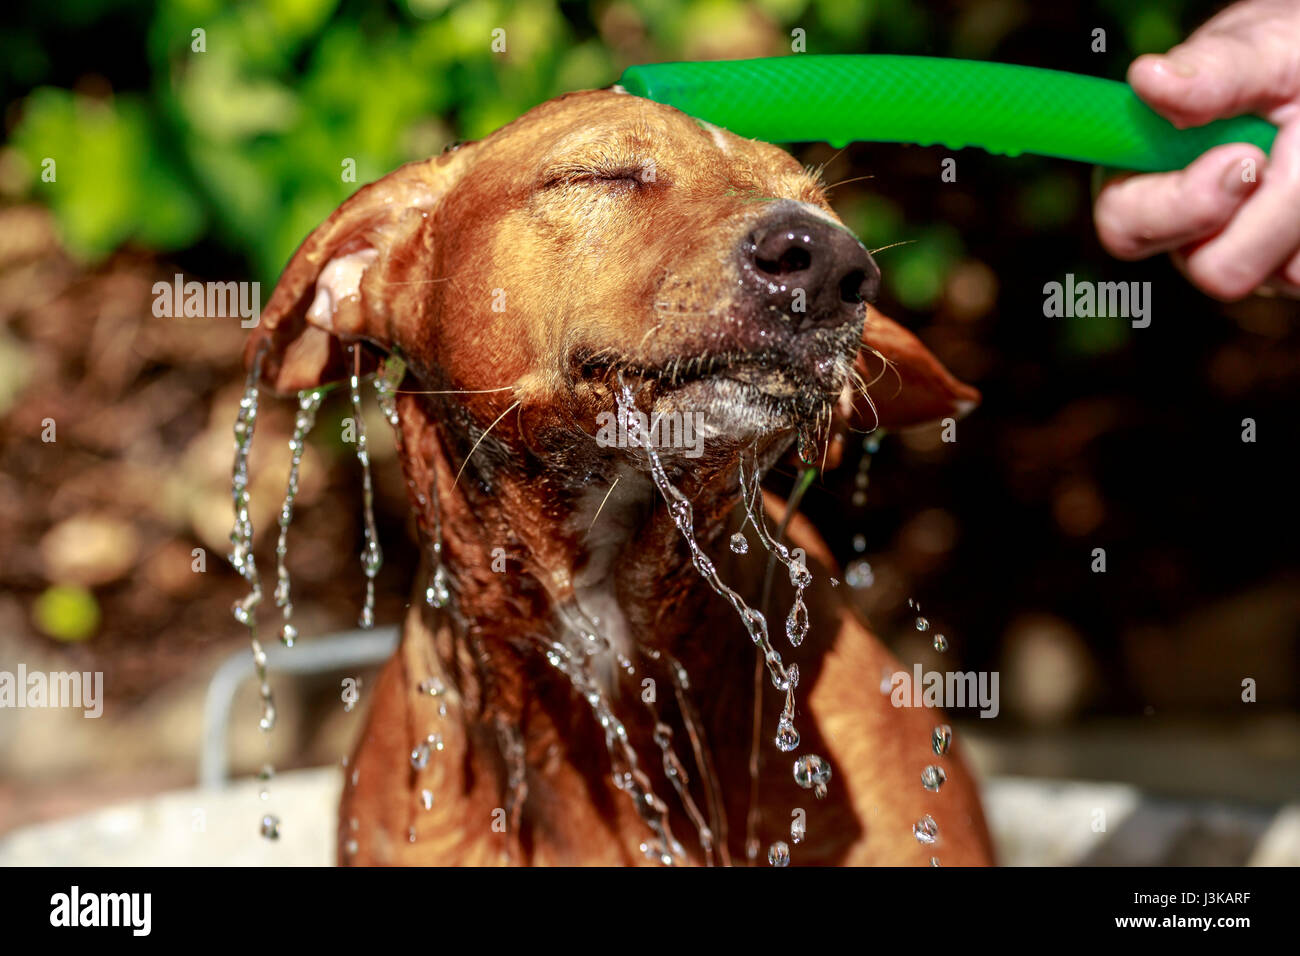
[112, 181]
[1050, 200]
[916, 273]
[66, 613]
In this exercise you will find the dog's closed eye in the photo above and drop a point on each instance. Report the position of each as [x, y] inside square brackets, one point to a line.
[626, 174]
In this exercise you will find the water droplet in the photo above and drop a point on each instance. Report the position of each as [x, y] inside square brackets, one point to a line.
[925, 830]
[438, 593]
[739, 544]
[787, 737]
[940, 643]
[778, 854]
[426, 799]
[941, 739]
[797, 830]
[859, 543]
[410, 834]
[351, 847]
[800, 576]
[934, 861]
[812, 773]
[858, 574]
[922, 624]
[372, 557]
[267, 721]
[796, 625]
[932, 778]
[288, 634]
[271, 827]
[420, 757]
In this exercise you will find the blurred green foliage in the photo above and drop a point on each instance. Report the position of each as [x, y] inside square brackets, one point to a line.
[238, 135]
[67, 612]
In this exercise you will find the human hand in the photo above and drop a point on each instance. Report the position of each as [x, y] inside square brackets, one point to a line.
[1232, 218]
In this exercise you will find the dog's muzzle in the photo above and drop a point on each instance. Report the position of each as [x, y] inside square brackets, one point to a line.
[809, 270]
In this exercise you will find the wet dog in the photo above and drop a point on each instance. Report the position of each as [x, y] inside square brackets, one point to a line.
[581, 694]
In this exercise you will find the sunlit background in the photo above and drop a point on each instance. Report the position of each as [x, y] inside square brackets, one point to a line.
[216, 164]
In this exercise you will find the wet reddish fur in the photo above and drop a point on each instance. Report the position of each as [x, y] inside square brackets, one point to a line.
[449, 232]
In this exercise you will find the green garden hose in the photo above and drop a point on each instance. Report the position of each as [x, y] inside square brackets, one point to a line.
[1000, 107]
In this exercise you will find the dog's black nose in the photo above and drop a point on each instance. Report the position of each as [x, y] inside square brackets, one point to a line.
[813, 271]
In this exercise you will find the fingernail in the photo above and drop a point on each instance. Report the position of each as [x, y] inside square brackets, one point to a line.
[1240, 177]
[1180, 66]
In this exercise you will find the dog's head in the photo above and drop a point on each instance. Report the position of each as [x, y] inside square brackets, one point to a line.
[603, 238]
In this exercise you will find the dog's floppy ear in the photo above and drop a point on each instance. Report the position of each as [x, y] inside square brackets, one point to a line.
[330, 294]
[909, 386]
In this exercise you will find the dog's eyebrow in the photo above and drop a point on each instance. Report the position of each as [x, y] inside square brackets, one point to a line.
[602, 150]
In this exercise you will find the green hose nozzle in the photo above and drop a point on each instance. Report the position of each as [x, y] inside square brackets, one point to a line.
[1000, 107]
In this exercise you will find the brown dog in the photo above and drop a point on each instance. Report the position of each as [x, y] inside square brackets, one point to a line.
[585, 697]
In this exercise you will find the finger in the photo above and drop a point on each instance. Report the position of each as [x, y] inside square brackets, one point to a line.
[1291, 271]
[1263, 235]
[1138, 216]
[1213, 75]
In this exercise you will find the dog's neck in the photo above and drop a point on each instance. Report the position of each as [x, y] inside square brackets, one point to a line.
[529, 548]
[539, 558]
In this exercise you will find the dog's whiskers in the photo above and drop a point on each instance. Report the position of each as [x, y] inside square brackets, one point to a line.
[901, 242]
[480, 440]
[452, 391]
[602, 502]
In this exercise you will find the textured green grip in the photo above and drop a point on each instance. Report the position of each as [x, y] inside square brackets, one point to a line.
[1000, 107]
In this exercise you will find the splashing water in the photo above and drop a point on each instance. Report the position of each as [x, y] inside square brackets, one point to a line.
[941, 739]
[372, 557]
[625, 768]
[679, 506]
[308, 404]
[511, 742]
[703, 759]
[933, 777]
[241, 536]
[271, 827]
[676, 774]
[783, 678]
[812, 773]
[796, 623]
[582, 640]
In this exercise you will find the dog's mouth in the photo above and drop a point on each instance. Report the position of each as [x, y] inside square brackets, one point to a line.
[741, 389]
